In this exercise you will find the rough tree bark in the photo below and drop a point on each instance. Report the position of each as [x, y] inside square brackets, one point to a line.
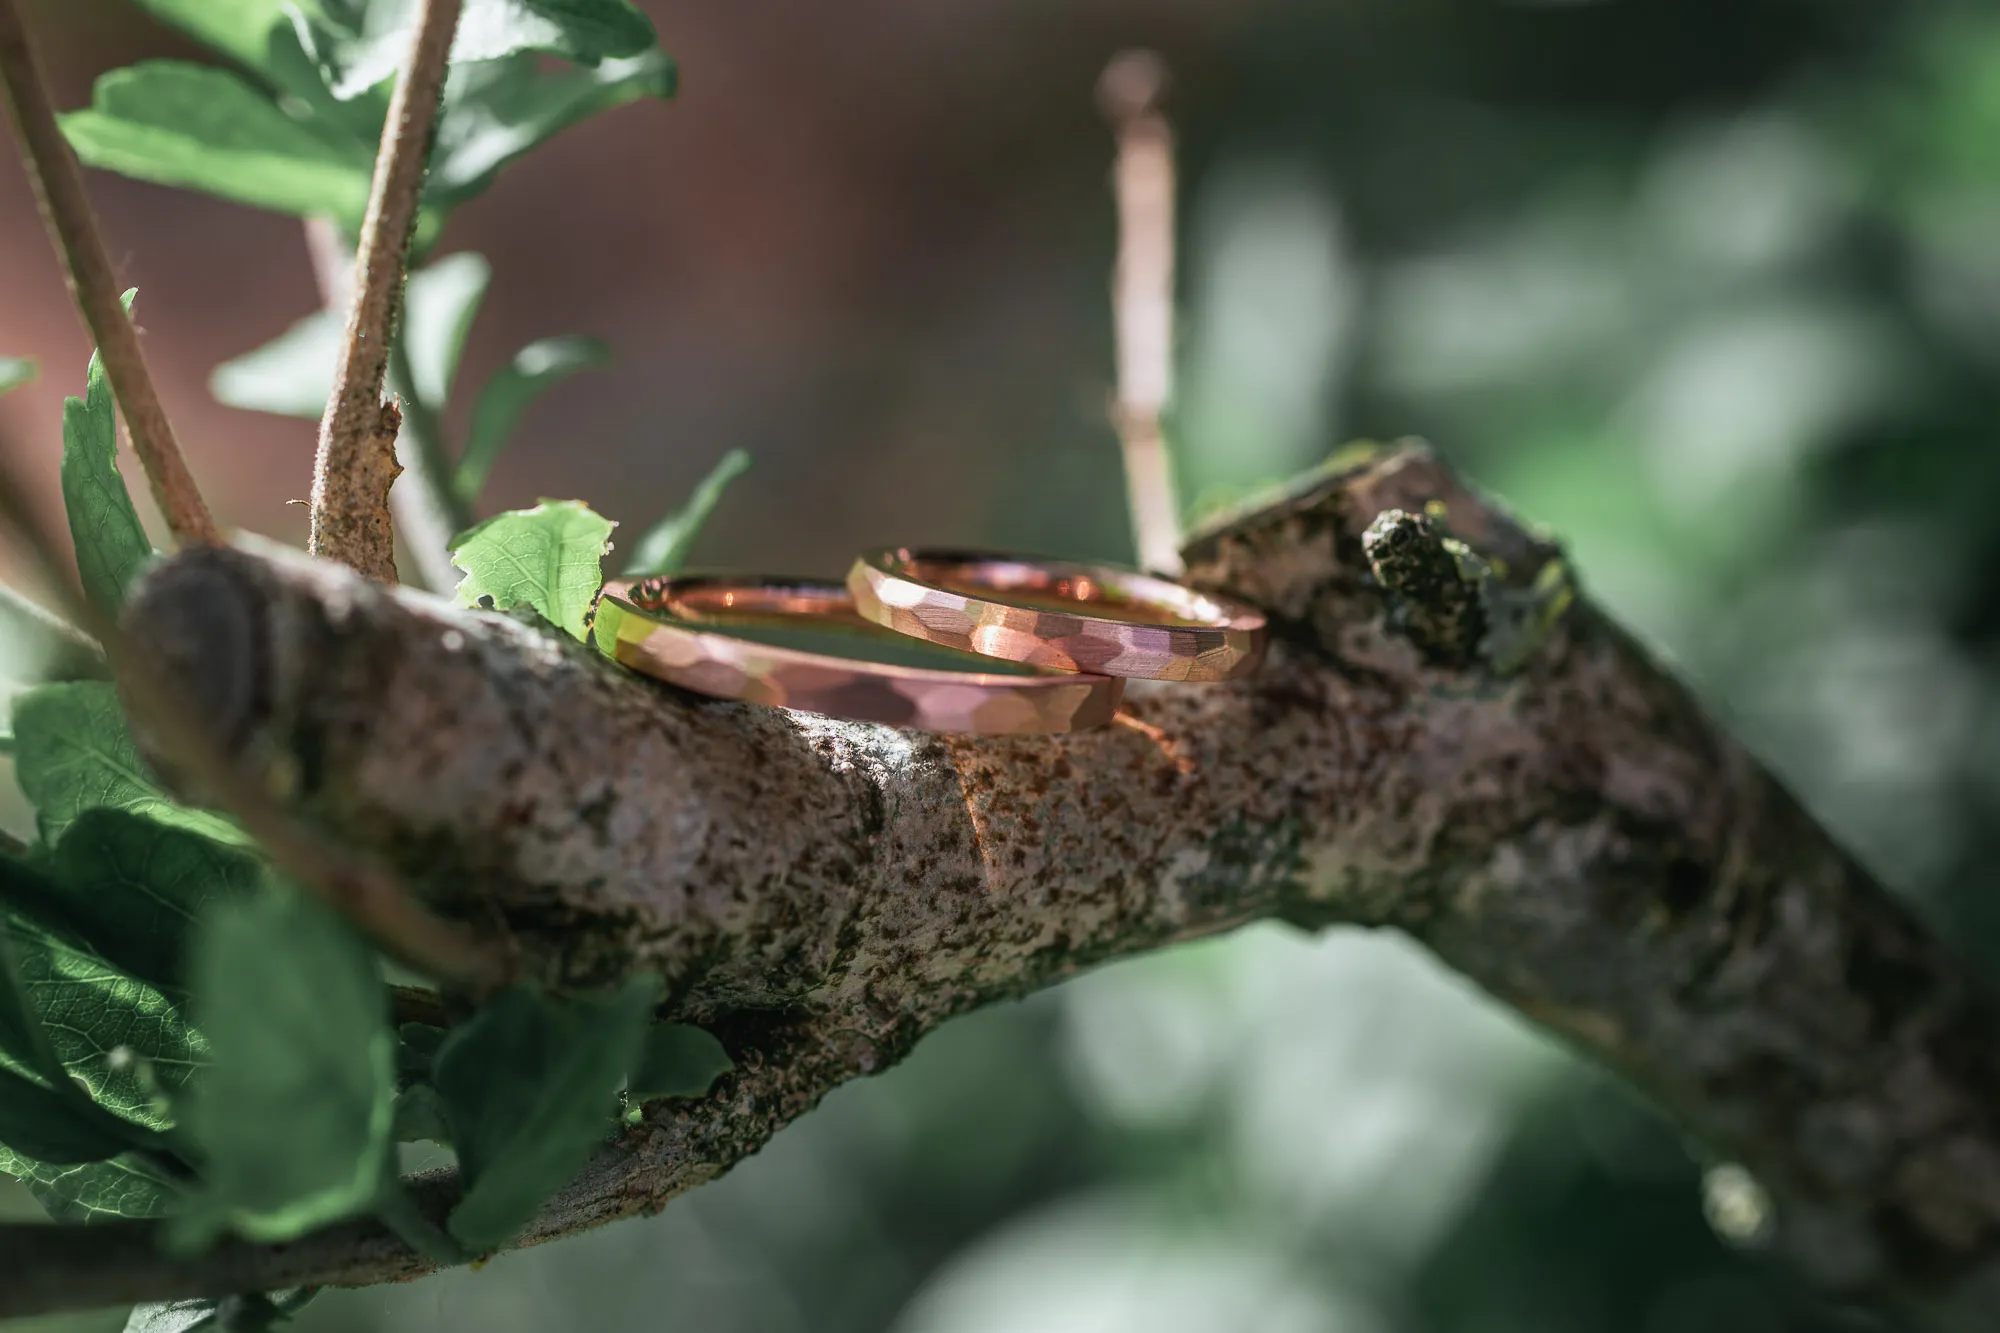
[1444, 741]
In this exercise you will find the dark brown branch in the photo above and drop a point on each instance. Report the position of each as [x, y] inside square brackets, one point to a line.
[1553, 815]
[72, 226]
[350, 509]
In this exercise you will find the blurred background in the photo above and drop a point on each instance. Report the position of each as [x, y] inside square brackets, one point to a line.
[1709, 287]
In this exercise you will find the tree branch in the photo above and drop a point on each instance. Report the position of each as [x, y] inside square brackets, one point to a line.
[72, 226]
[1550, 813]
[167, 712]
[1142, 299]
[357, 456]
[426, 509]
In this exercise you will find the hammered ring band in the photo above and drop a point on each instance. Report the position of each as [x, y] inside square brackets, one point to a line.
[936, 640]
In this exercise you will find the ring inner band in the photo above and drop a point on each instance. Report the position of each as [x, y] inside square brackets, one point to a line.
[807, 617]
[1130, 597]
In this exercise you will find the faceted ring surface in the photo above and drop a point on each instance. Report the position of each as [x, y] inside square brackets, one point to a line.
[678, 630]
[1069, 617]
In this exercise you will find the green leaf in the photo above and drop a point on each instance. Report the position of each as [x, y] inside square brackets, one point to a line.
[42, 1114]
[294, 1112]
[127, 1044]
[585, 31]
[421, 1115]
[440, 305]
[239, 29]
[207, 129]
[111, 547]
[548, 557]
[134, 888]
[15, 371]
[38, 1120]
[253, 1312]
[665, 545]
[47, 1125]
[129, 1185]
[73, 753]
[291, 375]
[678, 1061]
[535, 369]
[531, 1083]
[497, 110]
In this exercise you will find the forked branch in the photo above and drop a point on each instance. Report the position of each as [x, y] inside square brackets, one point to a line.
[356, 885]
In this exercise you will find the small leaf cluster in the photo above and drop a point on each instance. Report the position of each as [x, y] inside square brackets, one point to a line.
[293, 127]
[185, 1035]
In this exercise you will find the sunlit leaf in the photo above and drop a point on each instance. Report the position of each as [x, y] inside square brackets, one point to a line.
[129, 1185]
[581, 30]
[665, 545]
[111, 546]
[44, 1019]
[532, 1083]
[535, 369]
[129, 1044]
[253, 1312]
[239, 29]
[549, 558]
[206, 129]
[499, 109]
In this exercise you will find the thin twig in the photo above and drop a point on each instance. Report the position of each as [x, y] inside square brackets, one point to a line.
[350, 513]
[1143, 299]
[72, 226]
[366, 894]
[426, 507]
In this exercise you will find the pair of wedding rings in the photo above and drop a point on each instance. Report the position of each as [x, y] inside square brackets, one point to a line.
[1005, 645]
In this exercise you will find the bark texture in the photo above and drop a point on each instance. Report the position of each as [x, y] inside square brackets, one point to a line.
[1548, 811]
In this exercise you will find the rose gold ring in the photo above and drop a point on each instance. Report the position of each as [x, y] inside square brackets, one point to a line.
[1094, 618]
[698, 633]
